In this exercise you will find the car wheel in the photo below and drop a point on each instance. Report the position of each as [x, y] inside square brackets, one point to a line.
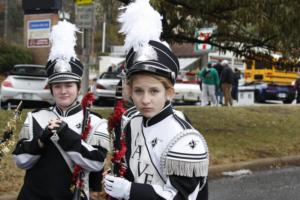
[287, 101]
[258, 98]
[3, 105]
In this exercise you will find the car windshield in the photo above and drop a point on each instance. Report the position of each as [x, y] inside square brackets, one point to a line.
[29, 71]
[109, 76]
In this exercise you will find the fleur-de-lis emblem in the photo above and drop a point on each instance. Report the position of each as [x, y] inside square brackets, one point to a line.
[78, 125]
[193, 144]
[154, 142]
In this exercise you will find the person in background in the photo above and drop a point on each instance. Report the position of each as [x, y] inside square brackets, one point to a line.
[226, 82]
[166, 157]
[210, 81]
[112, 68]
[297, 86]
[235, 84]
[219, 92]
[50, 143]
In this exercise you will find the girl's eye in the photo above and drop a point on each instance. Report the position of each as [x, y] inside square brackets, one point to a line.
[138, 91]
[154, 91]
[68, 85]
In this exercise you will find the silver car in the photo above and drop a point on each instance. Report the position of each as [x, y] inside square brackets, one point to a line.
[28, 83]
[187, 89]
[105, 87]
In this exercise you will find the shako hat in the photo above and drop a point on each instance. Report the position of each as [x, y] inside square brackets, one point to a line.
[142, 27]
[63, 65]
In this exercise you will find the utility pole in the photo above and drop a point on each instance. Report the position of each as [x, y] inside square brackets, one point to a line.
[5, 19]
[86, 53]
[103, 32]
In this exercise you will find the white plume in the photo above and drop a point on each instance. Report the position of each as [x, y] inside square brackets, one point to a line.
[63, 40]
[140, 23]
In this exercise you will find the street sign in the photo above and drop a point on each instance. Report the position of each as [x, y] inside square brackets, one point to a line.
[84, 16]
[203, 34]
[38, 33]
[83, 2]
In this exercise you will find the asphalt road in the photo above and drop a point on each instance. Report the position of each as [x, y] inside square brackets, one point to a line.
[277, 184]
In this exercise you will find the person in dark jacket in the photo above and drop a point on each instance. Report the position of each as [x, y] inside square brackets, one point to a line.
[297, 86]
[226, 82]
[235, 84]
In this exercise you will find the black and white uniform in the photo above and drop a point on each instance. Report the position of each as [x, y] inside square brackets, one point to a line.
[48, 169]
[167, 158]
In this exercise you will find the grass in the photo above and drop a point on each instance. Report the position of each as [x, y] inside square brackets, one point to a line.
[233, 134]
[245, 133]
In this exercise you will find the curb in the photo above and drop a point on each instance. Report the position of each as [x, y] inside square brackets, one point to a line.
[255, 165]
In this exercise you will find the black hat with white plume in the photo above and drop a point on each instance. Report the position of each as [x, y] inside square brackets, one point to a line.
[63, 65]
[142, 27]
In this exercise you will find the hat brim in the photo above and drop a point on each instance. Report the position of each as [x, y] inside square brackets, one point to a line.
[64, 77]
[150, 68]
[63, 80]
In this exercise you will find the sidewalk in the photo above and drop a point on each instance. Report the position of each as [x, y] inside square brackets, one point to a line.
[216, 171]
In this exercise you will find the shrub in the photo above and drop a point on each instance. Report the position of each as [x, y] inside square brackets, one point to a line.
[11, 55]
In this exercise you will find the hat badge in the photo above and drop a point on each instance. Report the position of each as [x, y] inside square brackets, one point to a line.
[62, 66]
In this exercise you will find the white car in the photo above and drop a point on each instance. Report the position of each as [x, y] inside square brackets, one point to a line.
[28, 83]
[187, 88]
[187, 93]
[105, 87]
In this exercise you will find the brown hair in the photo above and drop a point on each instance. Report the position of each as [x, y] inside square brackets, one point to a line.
[166, 82]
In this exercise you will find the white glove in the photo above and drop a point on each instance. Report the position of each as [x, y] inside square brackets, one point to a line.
[117, 187]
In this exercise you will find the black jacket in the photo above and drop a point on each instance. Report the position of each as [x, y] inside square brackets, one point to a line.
[227, 75]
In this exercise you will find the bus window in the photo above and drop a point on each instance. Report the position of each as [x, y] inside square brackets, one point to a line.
[263, 65]
[249, 64]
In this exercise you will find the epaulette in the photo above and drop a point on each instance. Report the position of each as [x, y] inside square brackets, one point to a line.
[186, 155]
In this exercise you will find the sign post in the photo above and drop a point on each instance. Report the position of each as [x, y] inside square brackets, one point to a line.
[203, 48]
[84, 16]
[85, 20]
[203, 34]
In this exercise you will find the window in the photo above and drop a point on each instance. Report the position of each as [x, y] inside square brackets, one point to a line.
[109, 75]
[26, 70]
[263, 65]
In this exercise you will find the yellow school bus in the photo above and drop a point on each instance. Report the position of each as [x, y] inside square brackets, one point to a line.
[273, 79]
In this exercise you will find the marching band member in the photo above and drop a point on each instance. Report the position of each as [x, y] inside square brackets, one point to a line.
[50, 141]
[166, 157]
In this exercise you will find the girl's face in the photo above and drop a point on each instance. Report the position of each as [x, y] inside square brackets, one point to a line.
[148, 94]
[64, 94]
